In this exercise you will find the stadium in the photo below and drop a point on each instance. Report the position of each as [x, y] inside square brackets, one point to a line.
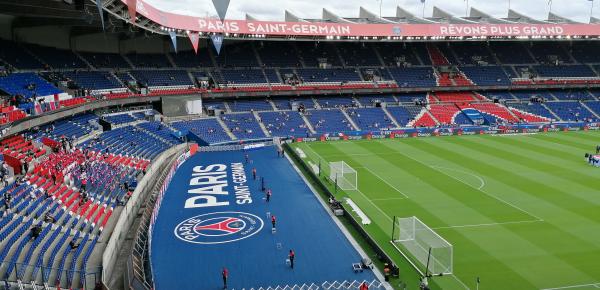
[143, 147]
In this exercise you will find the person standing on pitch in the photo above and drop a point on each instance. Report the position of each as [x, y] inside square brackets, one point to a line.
[254, 173]
[247, 157]
[292, 256]
[225, 275]
[273, 221]
[268, 195]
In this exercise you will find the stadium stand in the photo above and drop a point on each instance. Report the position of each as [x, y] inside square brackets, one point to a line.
[264, 89]
[243, 126]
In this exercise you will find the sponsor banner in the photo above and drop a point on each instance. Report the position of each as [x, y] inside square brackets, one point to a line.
[215, 25]
[428, 132]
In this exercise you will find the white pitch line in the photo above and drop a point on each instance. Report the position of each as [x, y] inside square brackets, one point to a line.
[386, 182]
[386, 199]
[488, 224]
[481, 190]
[574, 286]
[363, 195]
[462, 171]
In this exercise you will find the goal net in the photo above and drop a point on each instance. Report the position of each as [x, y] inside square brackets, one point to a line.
[417, 242]
[343, 175]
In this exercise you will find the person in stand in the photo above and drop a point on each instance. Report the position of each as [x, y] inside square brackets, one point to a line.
[35, 231]
[254, 173]
[73, 245]
[292, 256]
[83, 184]
[225, 275]
[7, 199]
[48, 218]
[269, 195]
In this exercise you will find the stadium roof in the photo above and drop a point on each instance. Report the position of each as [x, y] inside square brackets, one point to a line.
[118, 9]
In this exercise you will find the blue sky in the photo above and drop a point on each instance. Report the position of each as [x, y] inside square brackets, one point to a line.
[274, 9]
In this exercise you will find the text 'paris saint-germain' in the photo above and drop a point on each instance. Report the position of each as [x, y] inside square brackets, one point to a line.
[209, 186]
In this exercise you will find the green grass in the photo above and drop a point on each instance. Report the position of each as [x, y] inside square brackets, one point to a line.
[522, 212]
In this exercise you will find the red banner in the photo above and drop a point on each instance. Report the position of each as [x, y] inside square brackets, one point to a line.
[206, 25]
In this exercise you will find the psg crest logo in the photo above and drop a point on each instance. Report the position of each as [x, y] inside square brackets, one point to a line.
[218, 228]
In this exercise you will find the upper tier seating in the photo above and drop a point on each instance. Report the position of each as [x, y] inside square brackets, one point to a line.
[438, 58]
[243, 126]
[105, 60]
[240, 55]
[285, 124]
[18, 57]
[572, 71]
[329, 121]
[362, 55]
[189, 59]
[585, 52]
[370, 118]
[58, 58]
[147, 60]
[254, 76]
[511, 52]
[548, 53]
[208, 129]
[93, 80]
[486, 75]
[571, 111]
[414, 76]
[17, 84]
[162, 78]
[272, 77]
[316, 75]
[472, 53]
[310, 53]
[278, 54]
[395, 54]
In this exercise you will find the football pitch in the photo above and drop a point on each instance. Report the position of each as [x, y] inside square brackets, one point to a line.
[521, 212]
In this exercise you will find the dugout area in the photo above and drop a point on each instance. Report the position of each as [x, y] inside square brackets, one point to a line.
[192, 242]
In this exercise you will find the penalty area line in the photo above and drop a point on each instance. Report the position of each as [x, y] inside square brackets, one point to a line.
[488, 224]
[596, 285]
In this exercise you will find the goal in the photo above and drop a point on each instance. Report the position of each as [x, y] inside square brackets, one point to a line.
[417, 242]
[343, 175]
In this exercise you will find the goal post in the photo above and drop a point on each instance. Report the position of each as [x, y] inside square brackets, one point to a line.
[343, 175]
[422, 246]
